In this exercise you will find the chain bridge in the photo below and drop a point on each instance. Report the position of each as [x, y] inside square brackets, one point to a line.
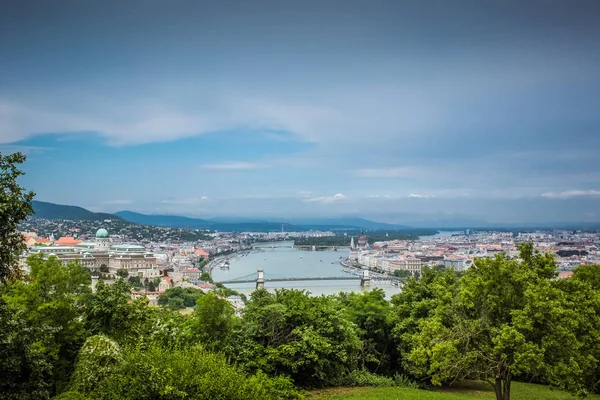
[259, 277]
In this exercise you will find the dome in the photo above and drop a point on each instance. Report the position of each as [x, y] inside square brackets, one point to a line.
[102, 233]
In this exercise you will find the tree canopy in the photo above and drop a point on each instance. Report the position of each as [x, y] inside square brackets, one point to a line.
[15, 206]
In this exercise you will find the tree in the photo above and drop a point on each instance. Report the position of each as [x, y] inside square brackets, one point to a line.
[372, 314]
[213, 322]
[99, 358]
[25, 369]
[589, 274]
[15, 206]
[401, 273]
[177, 298]
[52, 297]
[122, 273]
[509, 317]
[205, 277]
[291, 333]
[104, 268]
[111, 313]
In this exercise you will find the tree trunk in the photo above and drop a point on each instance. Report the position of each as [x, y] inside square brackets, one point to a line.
[498, 389]
[502, 386]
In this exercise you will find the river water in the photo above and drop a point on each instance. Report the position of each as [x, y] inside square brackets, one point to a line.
[285, 262]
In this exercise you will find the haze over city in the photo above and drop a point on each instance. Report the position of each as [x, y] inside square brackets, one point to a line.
[398, 111]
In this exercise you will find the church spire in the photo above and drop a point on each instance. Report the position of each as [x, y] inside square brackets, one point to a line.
[352, 243]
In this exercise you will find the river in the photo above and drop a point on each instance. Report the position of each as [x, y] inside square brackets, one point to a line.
[286, 262]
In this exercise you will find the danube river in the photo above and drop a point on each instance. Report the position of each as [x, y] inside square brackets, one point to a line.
[285, 262]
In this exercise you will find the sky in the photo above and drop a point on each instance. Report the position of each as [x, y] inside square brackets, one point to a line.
[397, 111]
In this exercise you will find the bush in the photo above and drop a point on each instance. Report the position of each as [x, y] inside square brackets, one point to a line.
[405, 382]
[191, 373]
[71, 396]
[361, 377]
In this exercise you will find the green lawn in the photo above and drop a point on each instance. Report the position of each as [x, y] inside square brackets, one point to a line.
[471, 390]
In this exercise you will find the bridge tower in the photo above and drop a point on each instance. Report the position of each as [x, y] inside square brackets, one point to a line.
[365, 279]
[260, 279]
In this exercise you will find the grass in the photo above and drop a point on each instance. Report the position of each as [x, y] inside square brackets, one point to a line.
[465, 391]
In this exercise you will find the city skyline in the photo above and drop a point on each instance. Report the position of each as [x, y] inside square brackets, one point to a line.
[385, 110]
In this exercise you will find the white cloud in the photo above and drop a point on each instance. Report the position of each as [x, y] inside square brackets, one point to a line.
[567, 194]
[327, 199]
[420, 196]
[233, 166]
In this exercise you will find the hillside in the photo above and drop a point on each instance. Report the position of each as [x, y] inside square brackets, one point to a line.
[197, 223]
[58, 211]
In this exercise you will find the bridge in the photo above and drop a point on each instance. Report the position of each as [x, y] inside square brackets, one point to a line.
[365, 279]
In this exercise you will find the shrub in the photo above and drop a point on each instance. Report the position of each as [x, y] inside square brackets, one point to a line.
[71, 396]
[361, 377]
[405, 382]
[191, 373]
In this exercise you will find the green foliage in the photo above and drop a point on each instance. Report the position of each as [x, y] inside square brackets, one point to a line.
[292, 333]
[507, 318]
[589, 274]
[24, 366]
[205, 277]
[71, 395]
[213, 322]
[122, 273]
[177, 298]
[374, 319]
[402, 273]
[190, 373]
[111, 313]
[361, 377]
[99, 358]
[52, 298]
[104, 268]
[15, 206]
[429, 296]
[203, 262]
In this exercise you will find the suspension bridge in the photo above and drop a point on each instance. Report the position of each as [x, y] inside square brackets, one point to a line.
[259, 277]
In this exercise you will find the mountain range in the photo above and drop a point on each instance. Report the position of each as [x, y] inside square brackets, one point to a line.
[223, 224]
[46, 210]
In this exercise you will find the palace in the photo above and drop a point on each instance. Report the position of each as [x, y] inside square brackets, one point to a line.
[355, 251]
[102, 254]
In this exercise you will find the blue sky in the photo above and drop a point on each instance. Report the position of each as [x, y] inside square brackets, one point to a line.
[392, 110]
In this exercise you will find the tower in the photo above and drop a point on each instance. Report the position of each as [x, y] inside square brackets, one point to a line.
[260, 279]
[102, 240]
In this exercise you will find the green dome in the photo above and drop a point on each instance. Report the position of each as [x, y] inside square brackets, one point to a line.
[102, 233]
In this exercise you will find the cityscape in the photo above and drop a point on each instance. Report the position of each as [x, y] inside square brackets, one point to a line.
[299, 200]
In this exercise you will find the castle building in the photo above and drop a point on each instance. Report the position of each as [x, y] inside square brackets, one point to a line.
[101, 255]
[355, 250]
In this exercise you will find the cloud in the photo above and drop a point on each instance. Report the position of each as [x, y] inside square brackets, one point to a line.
[420, 196]
[568, 194]
[327, 199]
[233, 166]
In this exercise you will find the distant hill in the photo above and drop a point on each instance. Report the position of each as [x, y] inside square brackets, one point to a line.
[197, 223]
[73, 213]
[346, 222]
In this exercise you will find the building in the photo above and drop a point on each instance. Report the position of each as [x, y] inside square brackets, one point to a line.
[101, 255]
[355, 251]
